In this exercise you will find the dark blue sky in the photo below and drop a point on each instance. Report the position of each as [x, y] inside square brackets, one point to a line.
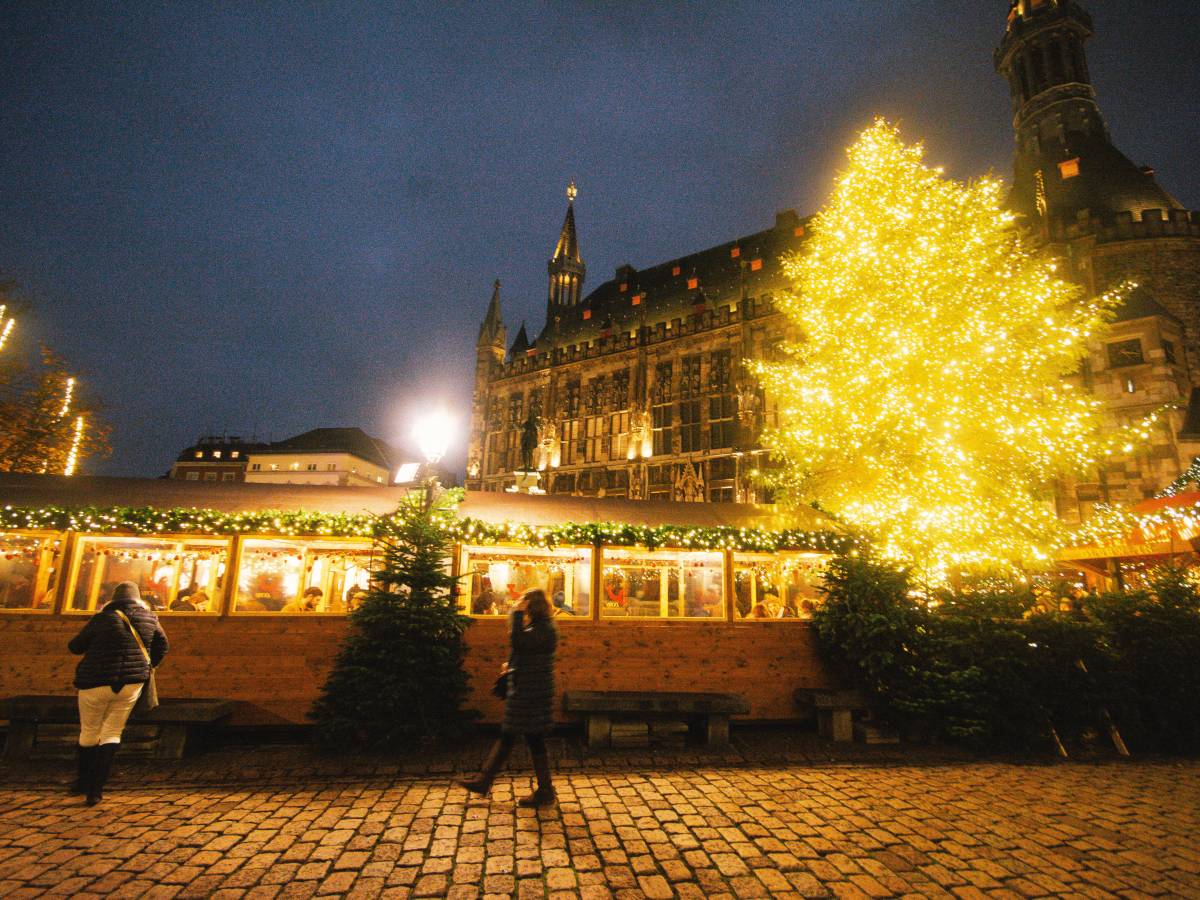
[268, 217]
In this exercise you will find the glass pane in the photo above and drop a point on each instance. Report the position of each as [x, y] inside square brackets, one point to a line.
[28, 570]
[173, 575]
[663, 584]
[783, 586]
[496, 577]
[298, 576]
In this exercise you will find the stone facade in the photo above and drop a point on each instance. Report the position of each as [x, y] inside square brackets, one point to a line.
[638, 388]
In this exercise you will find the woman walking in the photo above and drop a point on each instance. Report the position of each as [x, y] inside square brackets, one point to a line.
[529, 699]
[120, 645]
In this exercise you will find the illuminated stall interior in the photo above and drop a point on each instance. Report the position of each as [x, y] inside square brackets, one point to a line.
[28, 570]
[173, 574]
[494, 578]
[298, 576]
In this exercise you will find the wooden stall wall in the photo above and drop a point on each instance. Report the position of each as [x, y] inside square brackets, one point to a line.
[274, 666]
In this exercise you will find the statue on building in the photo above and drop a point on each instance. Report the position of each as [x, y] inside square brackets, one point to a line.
[529, 442]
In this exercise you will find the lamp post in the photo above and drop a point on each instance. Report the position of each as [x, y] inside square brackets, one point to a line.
[433, 431]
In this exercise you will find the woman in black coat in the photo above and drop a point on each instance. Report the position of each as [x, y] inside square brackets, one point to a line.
[528, 706]
[110, 677]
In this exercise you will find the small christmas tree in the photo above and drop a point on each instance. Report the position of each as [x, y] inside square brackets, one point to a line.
[399, 676]
[928, 398]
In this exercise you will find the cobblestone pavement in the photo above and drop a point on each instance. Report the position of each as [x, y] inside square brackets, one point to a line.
[291, 825]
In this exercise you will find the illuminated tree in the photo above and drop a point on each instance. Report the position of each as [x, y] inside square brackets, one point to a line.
[926, 400]
[45, 426]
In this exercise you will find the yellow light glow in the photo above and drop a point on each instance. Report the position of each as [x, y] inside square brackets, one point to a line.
[73, 453]
[928, 399]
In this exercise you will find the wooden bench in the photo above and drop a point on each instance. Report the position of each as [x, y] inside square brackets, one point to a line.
[601, 708]
[177, 721]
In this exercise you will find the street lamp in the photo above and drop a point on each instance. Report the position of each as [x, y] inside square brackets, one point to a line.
[433, 431]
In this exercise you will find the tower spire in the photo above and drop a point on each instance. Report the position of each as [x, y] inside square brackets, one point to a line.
[566, 269]
[492, 331]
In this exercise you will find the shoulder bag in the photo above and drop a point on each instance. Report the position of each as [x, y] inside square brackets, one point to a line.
[148, 698]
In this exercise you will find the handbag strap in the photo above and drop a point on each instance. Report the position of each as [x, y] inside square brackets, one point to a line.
[137, 637]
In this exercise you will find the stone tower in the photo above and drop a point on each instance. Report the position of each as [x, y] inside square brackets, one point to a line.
[1110, 221]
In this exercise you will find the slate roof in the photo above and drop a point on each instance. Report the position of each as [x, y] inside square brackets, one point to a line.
[674, 289]
[337, 440]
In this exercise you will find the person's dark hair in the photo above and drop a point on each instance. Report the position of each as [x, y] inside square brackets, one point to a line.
[313, 591]
[537, 605]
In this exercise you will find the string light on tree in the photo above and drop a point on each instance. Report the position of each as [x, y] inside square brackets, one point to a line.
[927, 401]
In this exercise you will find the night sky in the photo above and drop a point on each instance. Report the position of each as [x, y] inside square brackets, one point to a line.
[260, 218]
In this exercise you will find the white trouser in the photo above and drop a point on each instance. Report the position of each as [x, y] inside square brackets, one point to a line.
[103, 713]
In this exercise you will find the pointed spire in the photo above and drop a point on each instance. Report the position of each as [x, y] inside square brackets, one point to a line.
[492, 330]
[568, 244]
[520, 343]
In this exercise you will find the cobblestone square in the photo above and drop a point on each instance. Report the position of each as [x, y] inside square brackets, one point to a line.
[261, 823]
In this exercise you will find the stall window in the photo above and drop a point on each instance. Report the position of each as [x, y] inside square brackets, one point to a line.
[173, 574]
[494, 578]
[28, 570]
[662, 584]
[302, 576]
[776, 586]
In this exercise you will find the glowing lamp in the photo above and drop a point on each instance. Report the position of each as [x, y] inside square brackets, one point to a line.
[433, 432]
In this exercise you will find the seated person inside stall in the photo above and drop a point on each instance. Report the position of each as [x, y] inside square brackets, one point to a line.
[196, 601]
[561, 607]
[307, 602]
[355, 597]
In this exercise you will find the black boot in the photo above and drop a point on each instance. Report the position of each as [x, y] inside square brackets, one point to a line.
[101, 768]
[544, 795]
[495, 761]
[85, 760]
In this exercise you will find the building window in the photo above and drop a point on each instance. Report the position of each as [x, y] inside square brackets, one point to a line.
[311, 467]
[274, 467]
[193, 476]
[620, 390]
[234, 454]
[564, 483]
[29, 567]
[663, 584]
[689, 426]
[776, 586]
[199, 454]
[172, 574]
[720, 421]
[497, 455]
[593, 439]
[1169, 351]
[572, 400]
[210, 476]
[515, 411]
[1069, 168]
[1130, 386]
[1125, 353]
[617, 481]
[661, 423]
[618, 432]
[229, 476]
[720, 494]
[689, 377]
[498, 578]
[331, 467]
[572, 451]
[295, 467]
[254, 467]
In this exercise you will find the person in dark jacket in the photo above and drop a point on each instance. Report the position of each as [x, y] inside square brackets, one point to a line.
[111, 675]
[528, 706]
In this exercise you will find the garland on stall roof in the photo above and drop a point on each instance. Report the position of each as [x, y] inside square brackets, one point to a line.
[149, 520]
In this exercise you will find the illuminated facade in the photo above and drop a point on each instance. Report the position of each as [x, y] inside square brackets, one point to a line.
[637, 389]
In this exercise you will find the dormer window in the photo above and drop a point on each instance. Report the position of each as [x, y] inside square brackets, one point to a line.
[799, 231]
[1069, 168]
[693, 283]
[636, 299]
[755, 265]
[587, 313]
[675, 270]
[216, 454]
[199, 454]
[624, 287]
[735, 252]
[234, 454]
